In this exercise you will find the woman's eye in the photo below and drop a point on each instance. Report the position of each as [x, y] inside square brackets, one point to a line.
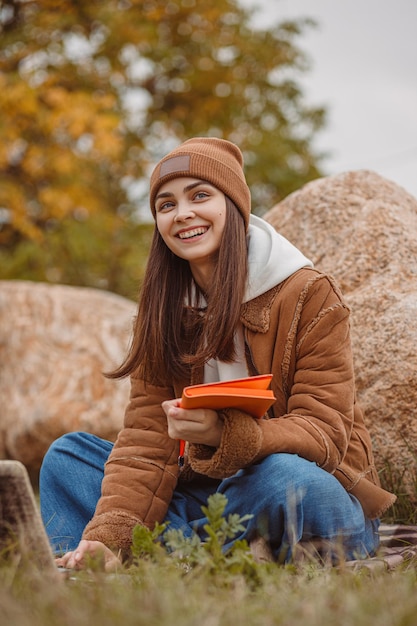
[200, 195]
[165, 206]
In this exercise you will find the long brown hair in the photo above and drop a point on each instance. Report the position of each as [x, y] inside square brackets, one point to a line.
[177, 326]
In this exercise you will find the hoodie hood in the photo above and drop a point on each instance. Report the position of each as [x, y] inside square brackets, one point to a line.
[272, 258]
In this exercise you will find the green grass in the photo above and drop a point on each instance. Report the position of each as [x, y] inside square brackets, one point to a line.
[156, 594]
[198, 584]
[401, 480]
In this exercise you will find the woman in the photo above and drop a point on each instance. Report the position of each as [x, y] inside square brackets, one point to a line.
[224, 296]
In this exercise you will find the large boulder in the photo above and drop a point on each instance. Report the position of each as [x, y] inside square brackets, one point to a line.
[362, 229]
[55, 343]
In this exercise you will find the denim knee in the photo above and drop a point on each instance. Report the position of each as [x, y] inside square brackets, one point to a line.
[77, 445]
[290, 492]
[56, 453]
[281, 473]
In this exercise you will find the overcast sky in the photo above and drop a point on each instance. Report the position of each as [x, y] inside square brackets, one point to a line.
[364, 71]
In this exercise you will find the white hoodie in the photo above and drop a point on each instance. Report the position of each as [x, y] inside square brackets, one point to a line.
[271, 259]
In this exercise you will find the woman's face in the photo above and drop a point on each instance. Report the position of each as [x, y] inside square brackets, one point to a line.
[190, 217]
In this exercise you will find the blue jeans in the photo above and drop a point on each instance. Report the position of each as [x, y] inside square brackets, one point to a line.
[291, 500]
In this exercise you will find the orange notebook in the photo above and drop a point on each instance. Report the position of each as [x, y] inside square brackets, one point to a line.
[249, 394]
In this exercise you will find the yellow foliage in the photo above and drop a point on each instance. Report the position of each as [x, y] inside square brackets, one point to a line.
[34, 162]
[107, 141]
[4, 156]
[18, 102]
[55, 203]
[67, 142]
[17, 206]
[64, 162]
[55, 97]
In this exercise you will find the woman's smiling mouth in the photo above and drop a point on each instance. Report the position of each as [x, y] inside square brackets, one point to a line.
[194, 232]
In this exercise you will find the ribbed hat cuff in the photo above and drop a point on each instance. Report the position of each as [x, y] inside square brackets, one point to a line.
[206, 168]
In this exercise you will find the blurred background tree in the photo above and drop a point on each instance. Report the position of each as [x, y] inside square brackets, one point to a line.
[93, 93]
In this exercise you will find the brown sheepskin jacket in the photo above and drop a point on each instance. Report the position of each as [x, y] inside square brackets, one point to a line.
[300, 332]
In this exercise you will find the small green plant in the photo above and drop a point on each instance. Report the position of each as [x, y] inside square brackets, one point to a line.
[219, 529]
[146, 543]
[211, 555]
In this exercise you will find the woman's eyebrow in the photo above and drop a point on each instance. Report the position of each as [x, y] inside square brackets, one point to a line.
[196, 184]
[164, 194]
[169, 194]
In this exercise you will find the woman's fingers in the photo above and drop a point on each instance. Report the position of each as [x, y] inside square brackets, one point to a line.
[90, 554]
[193, 425]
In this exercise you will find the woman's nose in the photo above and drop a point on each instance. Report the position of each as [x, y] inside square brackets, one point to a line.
[184, 211]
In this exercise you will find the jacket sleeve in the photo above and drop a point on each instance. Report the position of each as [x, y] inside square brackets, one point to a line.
[141, 472]
[315, 418]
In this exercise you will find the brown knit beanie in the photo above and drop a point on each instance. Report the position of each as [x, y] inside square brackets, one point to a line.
[214, 160]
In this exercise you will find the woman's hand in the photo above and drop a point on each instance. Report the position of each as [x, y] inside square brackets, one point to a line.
[88, 552]
[193, 425]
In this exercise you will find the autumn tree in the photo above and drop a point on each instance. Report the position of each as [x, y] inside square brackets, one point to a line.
[93, 93]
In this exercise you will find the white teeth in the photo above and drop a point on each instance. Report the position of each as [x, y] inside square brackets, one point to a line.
[192, 233]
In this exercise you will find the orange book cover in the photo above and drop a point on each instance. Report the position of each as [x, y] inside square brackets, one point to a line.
[249, 394]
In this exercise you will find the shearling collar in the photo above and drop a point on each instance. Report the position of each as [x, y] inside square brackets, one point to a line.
[256, 314]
